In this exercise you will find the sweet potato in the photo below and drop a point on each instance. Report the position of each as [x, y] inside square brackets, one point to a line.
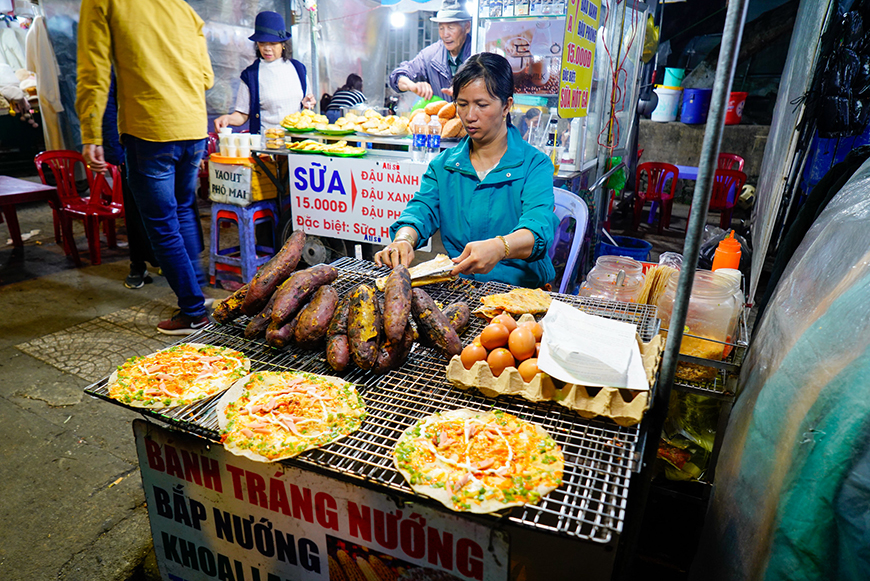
[458, 314]
[364, 326]
[257, 325]
[273, 273]
[338, 323]
[397, 303]
[295, 290]
[393, 355]
[315, 317]
[337, 352]
[280, 335]
[230, 308]
[433, 324]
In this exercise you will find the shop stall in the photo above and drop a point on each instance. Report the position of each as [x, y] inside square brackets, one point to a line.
[346, 504]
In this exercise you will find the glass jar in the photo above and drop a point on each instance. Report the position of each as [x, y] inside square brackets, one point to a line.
[711, 319]
[601, 280]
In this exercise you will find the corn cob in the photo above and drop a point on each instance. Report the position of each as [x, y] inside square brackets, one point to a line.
[336, 573]
[383, 572]
[350, 568]
[366, 569]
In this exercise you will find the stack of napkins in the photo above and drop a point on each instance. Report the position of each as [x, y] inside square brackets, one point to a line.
[591, 351]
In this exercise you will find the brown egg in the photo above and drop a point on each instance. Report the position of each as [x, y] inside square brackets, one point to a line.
[472, 354]
[499, 359]
[528, 369]
[522, 343]
[536, 328]
[506, 320]
[494, 335]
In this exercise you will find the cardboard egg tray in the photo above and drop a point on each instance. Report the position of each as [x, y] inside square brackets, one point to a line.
[624, 407]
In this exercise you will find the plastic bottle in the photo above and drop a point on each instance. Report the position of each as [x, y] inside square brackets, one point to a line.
[418, 147]
[727, 253]
[433, 141]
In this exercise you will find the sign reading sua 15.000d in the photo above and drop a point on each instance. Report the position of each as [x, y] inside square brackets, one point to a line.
[351, 198]
[224, 517]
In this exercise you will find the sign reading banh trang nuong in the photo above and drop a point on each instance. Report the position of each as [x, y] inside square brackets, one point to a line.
[351, 198]
[578, 57]
[219, 516]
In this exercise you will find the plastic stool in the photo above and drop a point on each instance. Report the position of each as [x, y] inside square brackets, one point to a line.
[242, 260]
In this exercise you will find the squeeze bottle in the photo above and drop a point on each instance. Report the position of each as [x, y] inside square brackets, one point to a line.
[727, 253]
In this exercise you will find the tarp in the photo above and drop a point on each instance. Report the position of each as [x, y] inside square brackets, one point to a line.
[792, 494]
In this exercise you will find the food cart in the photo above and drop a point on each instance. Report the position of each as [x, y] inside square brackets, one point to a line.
[347, 503]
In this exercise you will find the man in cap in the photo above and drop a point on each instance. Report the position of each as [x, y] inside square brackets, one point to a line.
[162, 69]
[431, 71]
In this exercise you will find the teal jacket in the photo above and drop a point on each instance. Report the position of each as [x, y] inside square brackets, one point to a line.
[517, 193]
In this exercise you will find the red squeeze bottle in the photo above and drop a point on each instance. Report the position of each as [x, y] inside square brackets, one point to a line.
[727, 253]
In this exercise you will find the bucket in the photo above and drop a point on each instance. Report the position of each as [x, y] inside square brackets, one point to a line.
[673, 77]
[696, 105]
[669, 104]
[734, 114]
[631, 247]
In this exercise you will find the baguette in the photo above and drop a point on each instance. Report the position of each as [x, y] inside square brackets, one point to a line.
[448, 111]
[434, 108]
[452, 128]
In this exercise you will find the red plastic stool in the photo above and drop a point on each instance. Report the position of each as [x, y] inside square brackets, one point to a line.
[242, 261]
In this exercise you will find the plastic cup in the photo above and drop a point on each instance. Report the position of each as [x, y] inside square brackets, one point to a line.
[256, 140]
[232, 151]
[225, 131]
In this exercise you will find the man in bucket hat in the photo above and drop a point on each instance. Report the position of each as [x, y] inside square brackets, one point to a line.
[431, 71]
[275, 85]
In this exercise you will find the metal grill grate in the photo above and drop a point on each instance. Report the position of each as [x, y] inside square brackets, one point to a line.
[599, 455]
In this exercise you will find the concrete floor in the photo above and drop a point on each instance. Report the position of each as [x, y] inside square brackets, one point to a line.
[71, 503]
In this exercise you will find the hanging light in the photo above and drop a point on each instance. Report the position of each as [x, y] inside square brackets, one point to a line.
[397, 19]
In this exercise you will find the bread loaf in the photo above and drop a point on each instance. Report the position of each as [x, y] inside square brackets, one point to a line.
[434, 108]
[452, 128]
[447, 111]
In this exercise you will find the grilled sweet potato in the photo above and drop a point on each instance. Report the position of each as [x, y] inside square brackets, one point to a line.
[458, 314]
[280, 335]
[337, 351]
[273, 273]
[258, 323]
[393, 355]
[397, 303]
[230, 308]
[315, 317]
[364, 326]
[432, 323]
[296, 289]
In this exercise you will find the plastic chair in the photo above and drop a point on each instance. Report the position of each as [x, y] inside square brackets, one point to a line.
[657, 190]
[569, 206]
[727, 184]
[241, 261]
[730, 161]
[63, 165]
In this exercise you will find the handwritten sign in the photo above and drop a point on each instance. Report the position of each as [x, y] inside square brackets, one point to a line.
[578, 57]
[219, 516]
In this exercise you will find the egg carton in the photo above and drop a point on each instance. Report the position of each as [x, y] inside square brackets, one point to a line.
[623, 406]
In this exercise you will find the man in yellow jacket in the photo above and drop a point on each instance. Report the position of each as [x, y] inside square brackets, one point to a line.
[162, 67]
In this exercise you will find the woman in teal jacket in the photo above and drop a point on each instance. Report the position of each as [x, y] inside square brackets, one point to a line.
[491, 195]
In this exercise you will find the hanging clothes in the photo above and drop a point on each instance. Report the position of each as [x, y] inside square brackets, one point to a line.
[40, 58]
[11, 50]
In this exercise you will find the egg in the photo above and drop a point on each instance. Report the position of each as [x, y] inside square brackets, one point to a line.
[536, 328]
[472, 354]
[528, 369]
[494, 335]
[506, 320]
[499, 359]
[522, 343]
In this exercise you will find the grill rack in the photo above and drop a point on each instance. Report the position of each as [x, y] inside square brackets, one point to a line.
[599, 454]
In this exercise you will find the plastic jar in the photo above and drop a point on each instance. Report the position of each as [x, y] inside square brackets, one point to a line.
[601, 280]
[712, 314]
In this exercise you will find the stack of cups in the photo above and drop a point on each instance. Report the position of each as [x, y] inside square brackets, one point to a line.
[225, 137]
[243, 141]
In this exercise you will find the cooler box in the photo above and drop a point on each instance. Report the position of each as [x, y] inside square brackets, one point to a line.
[239, 180]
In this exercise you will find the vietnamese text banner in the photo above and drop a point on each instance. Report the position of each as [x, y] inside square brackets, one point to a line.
[578, 57]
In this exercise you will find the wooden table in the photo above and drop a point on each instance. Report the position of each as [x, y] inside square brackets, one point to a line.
[14, 191]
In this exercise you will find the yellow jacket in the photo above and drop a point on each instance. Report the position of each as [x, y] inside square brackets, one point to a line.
[161, 63]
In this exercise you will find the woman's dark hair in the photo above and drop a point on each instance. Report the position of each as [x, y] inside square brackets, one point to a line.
[285, 54]
[495, 71]
[532, 113]
[353, 83]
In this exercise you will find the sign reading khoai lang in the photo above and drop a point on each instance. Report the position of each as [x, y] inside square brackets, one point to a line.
[578, 57]
[219, 516]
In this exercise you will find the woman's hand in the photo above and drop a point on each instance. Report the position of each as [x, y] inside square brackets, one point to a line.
[308, 102]
[221, 122]
[397, 252]
[479, 257]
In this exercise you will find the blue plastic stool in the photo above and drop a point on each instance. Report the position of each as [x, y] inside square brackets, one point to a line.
[241, 261]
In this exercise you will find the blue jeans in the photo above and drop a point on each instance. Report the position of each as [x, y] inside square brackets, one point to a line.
[162, 177]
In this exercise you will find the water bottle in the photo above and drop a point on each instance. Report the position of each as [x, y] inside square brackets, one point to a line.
[433, 141]
[419, 137]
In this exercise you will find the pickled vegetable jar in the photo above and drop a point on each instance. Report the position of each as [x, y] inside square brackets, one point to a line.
[601, 280]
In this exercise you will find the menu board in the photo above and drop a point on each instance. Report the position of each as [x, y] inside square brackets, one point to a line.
[578, 58]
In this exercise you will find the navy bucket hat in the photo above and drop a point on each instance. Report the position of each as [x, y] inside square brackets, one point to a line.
[269, 27]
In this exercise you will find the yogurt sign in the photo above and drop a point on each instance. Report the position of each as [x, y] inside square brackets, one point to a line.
[351, 198]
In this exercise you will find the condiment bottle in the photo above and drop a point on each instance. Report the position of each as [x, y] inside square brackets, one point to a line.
[727, 253]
